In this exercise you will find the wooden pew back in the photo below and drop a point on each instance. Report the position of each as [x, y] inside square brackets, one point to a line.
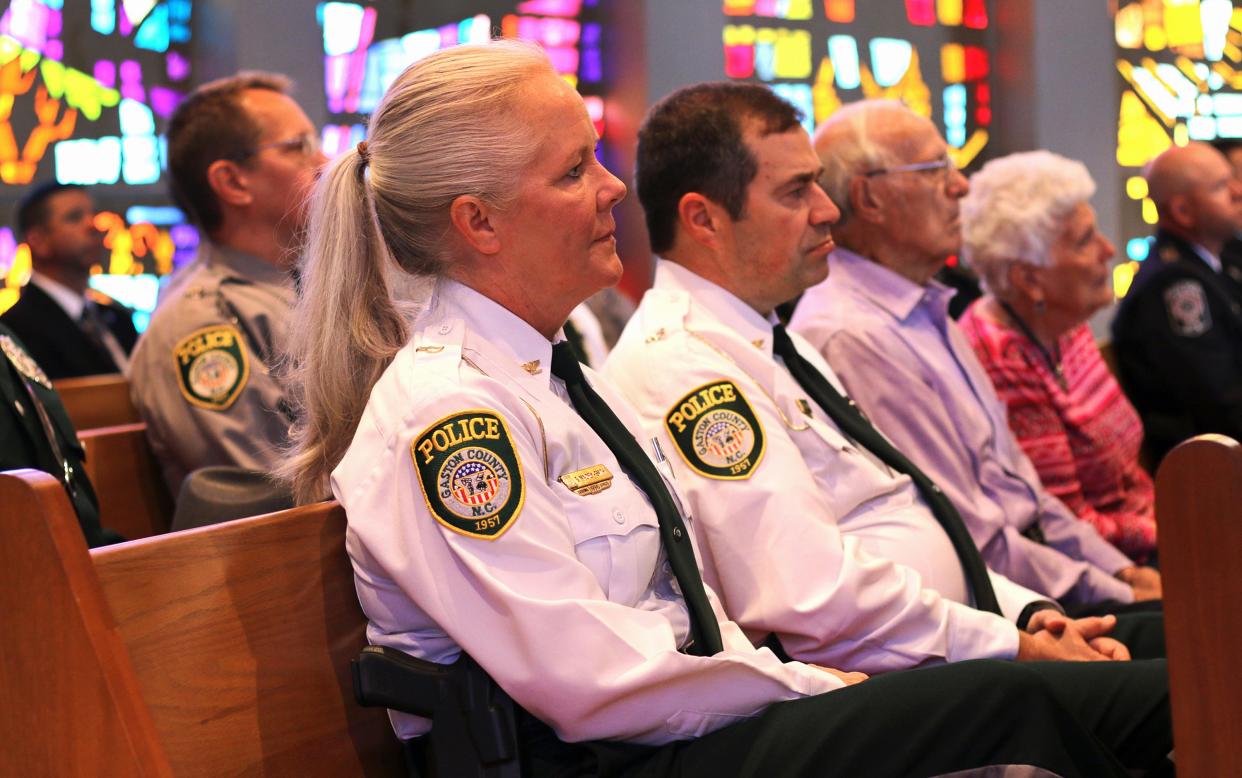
[72, 704]
[233, 642]
[97, 400]
[1199, 505]
[133, 499]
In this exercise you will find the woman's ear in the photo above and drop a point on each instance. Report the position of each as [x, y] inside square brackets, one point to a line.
[474, 220]
[1026, 280]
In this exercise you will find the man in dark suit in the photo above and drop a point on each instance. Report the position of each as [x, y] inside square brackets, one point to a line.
[1178, 332]
[68, 330]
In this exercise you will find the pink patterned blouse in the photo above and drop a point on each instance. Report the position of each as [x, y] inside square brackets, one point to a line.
[1084, 438]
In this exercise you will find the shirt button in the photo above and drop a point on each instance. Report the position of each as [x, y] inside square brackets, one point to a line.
[446, 328]
[618, 516]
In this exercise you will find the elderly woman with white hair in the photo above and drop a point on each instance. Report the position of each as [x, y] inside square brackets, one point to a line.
[1030, 231]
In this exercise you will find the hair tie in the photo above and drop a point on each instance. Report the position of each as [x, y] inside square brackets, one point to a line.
[364, 153]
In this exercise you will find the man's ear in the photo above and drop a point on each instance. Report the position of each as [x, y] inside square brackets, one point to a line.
[230, 182]
[864, 204]
[1181, 212]
[474, 221]
[36, 239]
[700, 219]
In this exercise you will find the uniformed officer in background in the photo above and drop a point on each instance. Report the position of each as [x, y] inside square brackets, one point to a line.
[1178, 333]
[242, 155]
[36, 433]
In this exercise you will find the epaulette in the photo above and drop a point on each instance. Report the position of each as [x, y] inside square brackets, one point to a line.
[664, 312]
[438, 345]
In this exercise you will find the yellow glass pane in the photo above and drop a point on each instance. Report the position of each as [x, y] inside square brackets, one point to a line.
[1128, 27]
[1123, 277]
[953, 63]
[949, 12]
[1149, 210]
[1181, 23]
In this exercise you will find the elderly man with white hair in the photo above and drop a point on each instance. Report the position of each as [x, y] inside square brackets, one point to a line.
[882, 323]
[1178, 333]
[1029, 229]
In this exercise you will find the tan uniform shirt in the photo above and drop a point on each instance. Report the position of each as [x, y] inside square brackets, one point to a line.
[201, 373]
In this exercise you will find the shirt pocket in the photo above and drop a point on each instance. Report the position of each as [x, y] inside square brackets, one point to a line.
[616, 535]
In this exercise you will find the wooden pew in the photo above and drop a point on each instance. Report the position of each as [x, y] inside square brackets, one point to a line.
[97, 400]
[133, 499]
[1199, 505]
[217, 651]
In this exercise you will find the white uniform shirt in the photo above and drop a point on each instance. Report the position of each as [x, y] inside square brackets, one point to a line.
[822, 544]
[572, 609]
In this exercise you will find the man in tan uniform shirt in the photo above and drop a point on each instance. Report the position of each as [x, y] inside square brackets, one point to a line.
[242, 156]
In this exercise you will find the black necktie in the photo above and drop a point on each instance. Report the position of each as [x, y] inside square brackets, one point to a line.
[852, 422]
[94, 329]
[704, 629]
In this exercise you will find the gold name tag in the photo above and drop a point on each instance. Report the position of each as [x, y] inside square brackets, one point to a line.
[588, 480]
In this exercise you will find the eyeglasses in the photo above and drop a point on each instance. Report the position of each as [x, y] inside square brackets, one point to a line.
[306, 144]
[945, 164]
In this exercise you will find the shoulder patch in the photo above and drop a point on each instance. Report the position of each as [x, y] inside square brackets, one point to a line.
[470, 473]
[24, 363]
[212, 366]
[716, 431]
[1187, 306]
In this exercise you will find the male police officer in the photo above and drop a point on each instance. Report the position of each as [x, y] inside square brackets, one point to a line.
[1178, 333]
[242, 156]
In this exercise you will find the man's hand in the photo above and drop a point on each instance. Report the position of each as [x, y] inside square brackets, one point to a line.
[849, 678]
[1052, 635]
[1145, 581]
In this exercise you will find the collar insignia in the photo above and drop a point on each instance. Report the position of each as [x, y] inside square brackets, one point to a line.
[804, 406]
[588, 480]
[532, 367]
[758, 343]
[24, 363]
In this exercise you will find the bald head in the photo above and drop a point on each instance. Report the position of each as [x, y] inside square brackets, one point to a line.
[1196, 195]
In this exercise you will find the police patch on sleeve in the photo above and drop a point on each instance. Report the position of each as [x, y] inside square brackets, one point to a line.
[470, 473]
[1187, 305]
[212, 366]
[716, 431]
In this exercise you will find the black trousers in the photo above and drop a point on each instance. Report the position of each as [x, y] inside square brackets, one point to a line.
[1074, 719]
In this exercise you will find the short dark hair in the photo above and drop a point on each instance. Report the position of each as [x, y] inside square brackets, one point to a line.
[32, 211]
[210, 124]
[691, 141]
